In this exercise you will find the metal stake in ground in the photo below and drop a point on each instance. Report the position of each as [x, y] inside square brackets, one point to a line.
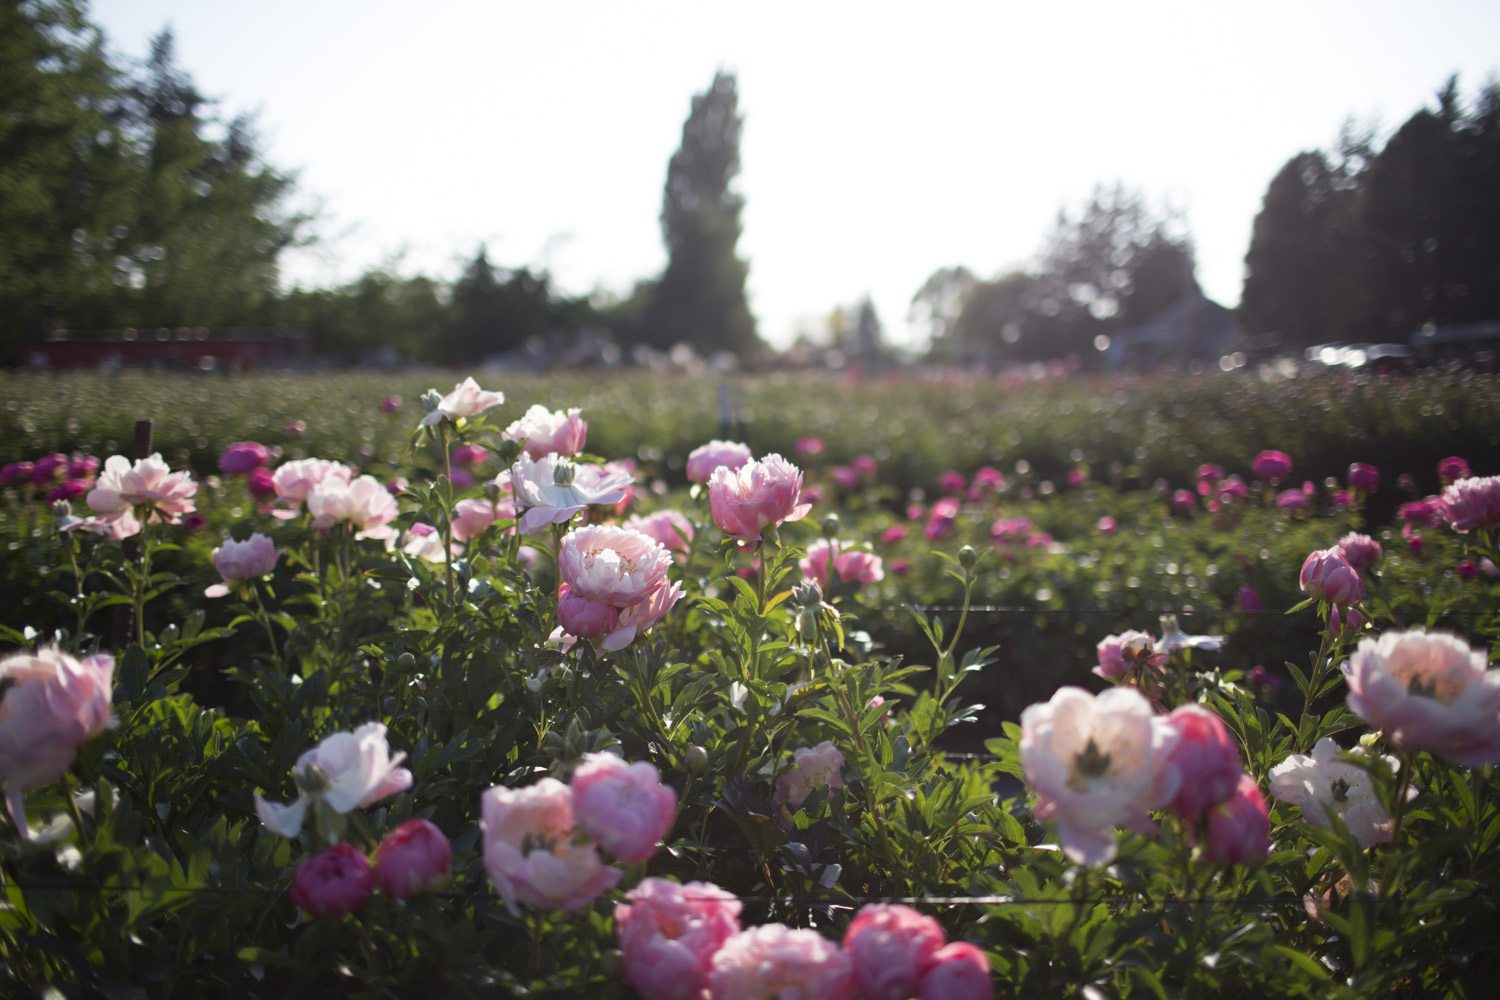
[124, 623]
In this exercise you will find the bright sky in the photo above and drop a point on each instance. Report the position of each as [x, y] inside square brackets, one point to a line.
[881, 140]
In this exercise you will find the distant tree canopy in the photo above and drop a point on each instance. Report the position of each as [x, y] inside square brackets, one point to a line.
[700, 297]
[1360, 245]
[1115, 263]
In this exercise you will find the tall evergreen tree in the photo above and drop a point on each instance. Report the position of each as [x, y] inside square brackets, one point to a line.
[700, 297]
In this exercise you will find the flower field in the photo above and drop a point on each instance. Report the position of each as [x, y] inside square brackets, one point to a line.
[776, 687]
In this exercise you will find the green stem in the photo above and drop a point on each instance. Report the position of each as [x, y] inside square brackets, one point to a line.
[264, 617]
[447, 518]
[143, 577]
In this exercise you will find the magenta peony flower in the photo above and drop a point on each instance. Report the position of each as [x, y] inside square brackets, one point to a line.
[851, 565]
[242, 456]
[1248, 598]
[1206, 758]
[390, 404]
[1292, 500]
[83, 467]
[69, 489]
[1452, 469]
[1272, 465]
[669, 527]
[1359, 551]
[146, 484]
[1095, 763]
[987, 480]
[549, 432]
[1327, 576]
[893, 534]
[16, 473]
[1323, 782]
[236, 561]
[333, 883]
[815, 767]
[468, 454]
[49, 469]
[1107, 525]
[1467, 504]
[1426, 512]
[952, 482]
[1365, 478]
[1239, 828]
[624, 807]
[534, 851]
[1468, 570]
[669, 934]
[50, 703]
[261, 483]
[703, 460]
[775, 961]
[1428, 691]
[466, 400]
[891, 946]
[1347, 623]
[412, 858]
[759, 495]
[1184, 502]
[959, 971]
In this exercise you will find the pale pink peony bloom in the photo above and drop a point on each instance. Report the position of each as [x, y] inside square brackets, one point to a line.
[334, 883]
[117, 527]
[1467, 504]
[364, 504]
[533, 850]
[1359, 551]
[1272, 465]
[236, 561]
[550, 490]
[624, 807]
[671, 528]
[466, 400]
[1096, 763]
[346, 771]
[1239, 827]
[1128, 654]
[294, 480]
[242, 457]
[50, 703]
[852, 565]
[549, 432]
[423, 541]
[815, 767]
[759, 495]
[1428, 691]
[471, 517]
[1322, 783]
[775, 962]
[1327, 576]
[1207, 760]
[669, 934]
[891, 946]
[959, 971]
[412, 858]
[639, 617]
[618, 566]
[148, 484]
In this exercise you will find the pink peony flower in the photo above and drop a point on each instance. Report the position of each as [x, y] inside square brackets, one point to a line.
[1206, 758]
[669, 934]
[809, 447]
[236, 561]
[1324, 783]
[893, 534]
[1292, 500]
[333, 883]
[1127, 654]
[1365, 478]
[1208, 477]
[390, 404]
[1348, 622]
[703, 460]
[422, 541]
[364, 504]
[851, 565]
[1239, 827]
[50, 703]
[815, 767]
[583, 618]
[295, 480]
[261, 483]
[1467, 504]
[1428, 691]
[1327, 576]
[123, 487]
[1426, 512]
[83, 467]
[466, 400]
[1107, 526]
[952, 482]
[618, 566]
[549, 432]
[1095, 763]
[775, 962]
[550, 490]
[346, 771]
[412, 858]
[669, 527]
[891, 946]
[1452, 469]
[534, 851]
[468, 454]
[471, 517]
[1184, 502]
[959, 971]
[1359, 551]
[242, 456]
[1272, 465]
[624, 807]
[69, 489]
[758, 495]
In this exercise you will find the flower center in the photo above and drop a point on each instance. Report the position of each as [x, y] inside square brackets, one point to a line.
[1089, 765]
[563, 473]
[1340, 790]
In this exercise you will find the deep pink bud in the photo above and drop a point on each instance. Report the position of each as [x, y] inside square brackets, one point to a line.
[469, 454]
[585, 618]
[891, 946]
[1453, 468]
[412, 858]
[1272, 465]
[1205, 756]
[1327, 576]
[959, 971]
[69, 489]
[242, 456]
[49, 468]
[333, 883]
[261, 483]
[1184, 502]
[1467, 570]
[1239, 828]
[952, 481]
[1362, 477]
